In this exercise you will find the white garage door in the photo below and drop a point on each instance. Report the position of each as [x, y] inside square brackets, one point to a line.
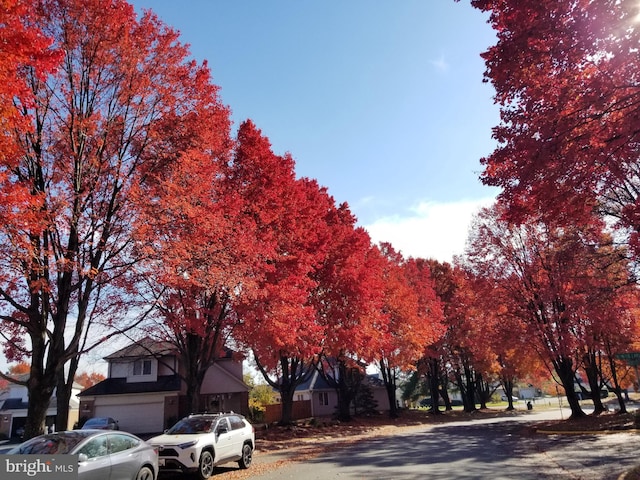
[139, 418]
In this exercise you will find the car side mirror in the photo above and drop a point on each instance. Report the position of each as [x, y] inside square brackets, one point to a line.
[222, 430]
[82, 458]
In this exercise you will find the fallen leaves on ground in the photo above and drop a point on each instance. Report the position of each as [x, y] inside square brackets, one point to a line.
[301, 441]
[605, 422]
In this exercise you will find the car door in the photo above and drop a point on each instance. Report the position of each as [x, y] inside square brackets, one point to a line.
[94, 462]
[237, 434]
[223, 439]
[123, 455]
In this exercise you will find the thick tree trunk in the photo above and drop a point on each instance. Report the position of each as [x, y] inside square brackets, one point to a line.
[566, 373]
[193, 397]
[286, 396]
[344, 405]
[444, 391]
[434, 385]
[293, 373]
[391, 395]
[592, 371]
[63, 396]
[507, 385]
[483, 390]
[349, 380]
[40, 387]
[64, 389]
[41, 383]
[389, 379]
[467, 389]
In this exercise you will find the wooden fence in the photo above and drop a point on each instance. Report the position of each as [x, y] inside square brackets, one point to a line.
[301, 409]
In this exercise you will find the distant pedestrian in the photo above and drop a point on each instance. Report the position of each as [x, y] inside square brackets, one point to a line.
[529, 405]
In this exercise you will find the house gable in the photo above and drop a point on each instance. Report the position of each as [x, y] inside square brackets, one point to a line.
[219, 379]
[145, 392]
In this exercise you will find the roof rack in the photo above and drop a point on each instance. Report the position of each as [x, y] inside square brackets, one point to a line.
[215, 414]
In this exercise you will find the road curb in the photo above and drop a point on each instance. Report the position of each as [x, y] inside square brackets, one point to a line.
[586, 432]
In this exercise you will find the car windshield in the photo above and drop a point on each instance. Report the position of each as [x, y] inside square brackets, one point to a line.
[55, 443]
[192, 425]
[96, 421]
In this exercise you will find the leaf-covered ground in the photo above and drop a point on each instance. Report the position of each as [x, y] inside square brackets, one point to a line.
[607, 422]
[279, 438]
[301, 441]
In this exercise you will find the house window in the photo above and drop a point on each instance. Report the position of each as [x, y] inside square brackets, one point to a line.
[142, 367]
[324, 398]
[300, 397]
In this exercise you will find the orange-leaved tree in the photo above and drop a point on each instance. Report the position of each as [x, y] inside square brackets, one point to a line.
[347, 300]
[565, 79]
[87, 379]
[278, 319]
[413, 317]
[193, 237]
[556, 278]
[96, 135]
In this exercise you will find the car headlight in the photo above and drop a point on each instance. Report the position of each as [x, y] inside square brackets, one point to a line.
[187, 444]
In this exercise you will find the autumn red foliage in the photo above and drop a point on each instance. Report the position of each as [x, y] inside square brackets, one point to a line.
[564, 75]
[412, 316]
[23, 47]
[104, 126]
[558, 280]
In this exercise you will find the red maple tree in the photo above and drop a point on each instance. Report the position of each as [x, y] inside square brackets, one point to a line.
[565, 79]
[557, 278]
[348, 303]
[413, 316]
[70, 198]
[278, 318]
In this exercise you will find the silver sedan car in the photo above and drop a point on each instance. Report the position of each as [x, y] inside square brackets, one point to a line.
[102, 454]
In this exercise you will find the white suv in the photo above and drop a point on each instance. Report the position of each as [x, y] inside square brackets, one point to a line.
[197, 443]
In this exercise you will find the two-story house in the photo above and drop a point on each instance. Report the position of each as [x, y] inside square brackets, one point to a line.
[145, 393]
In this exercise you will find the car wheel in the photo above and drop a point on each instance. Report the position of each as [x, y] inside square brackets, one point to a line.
[247, 455]
[205, 468]
[145, 473]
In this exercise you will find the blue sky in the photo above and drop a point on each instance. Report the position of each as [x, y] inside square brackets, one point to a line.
[382, 102]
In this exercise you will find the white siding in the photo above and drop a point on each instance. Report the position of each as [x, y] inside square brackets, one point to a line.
[139, 414]
[118, 370]
[152, 376]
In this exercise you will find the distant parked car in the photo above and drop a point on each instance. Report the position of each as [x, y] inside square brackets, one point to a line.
[101, 454]
[197, 443]
[101, 423]
[426, 402]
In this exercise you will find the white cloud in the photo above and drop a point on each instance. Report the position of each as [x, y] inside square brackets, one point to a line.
[440, 64]
[432, 230]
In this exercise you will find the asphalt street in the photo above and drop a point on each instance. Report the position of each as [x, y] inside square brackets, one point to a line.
[496, 449]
